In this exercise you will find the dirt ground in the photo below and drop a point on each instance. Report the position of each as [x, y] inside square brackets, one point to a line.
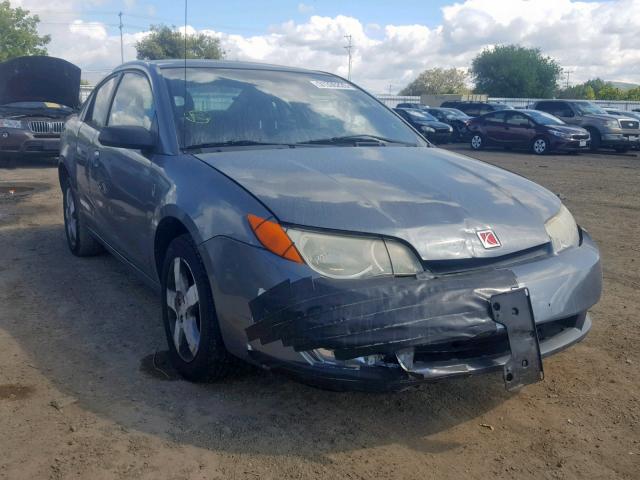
[80, 397]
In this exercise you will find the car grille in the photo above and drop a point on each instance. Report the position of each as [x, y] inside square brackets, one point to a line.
[41, 126]
[442, 130]
[629, 124]
[580, 136]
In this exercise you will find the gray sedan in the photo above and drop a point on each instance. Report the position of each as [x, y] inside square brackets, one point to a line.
[289, 219]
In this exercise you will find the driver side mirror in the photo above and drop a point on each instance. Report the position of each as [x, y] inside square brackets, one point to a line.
[132, 137]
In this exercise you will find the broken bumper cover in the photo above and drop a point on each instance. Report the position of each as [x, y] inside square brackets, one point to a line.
[347, 334]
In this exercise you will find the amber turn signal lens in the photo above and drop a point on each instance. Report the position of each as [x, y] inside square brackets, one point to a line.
[274, 238]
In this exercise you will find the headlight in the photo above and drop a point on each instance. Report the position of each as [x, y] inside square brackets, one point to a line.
[344, 257]
[426, 129]
[7, 123]
[558, 133]
[612, 124]
[562, 230]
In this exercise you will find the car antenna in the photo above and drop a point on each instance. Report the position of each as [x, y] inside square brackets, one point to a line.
[184, 128]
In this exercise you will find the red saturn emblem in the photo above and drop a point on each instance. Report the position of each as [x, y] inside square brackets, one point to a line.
[488, 238]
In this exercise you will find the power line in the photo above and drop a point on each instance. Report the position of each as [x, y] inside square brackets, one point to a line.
[348, 48]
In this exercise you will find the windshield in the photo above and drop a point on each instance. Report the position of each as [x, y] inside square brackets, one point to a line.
[422, 115]
[259, 107]
[455, 113]
[588, 108]
[542, 118]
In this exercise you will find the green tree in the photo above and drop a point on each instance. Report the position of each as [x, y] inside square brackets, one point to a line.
[515, 71]
[609, 92]
[19, 33]
[164, 42]
[437, 81]
[632, 94]
[581, 91]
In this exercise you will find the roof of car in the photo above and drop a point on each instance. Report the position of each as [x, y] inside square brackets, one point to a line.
[195, 63]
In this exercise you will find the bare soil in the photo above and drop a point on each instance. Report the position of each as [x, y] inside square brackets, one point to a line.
[83, 393]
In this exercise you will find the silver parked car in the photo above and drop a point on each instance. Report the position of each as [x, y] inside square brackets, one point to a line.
[620, 132]
[291, 220]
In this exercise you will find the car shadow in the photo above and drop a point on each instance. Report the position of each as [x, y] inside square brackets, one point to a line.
[14, 162]
[94, 330]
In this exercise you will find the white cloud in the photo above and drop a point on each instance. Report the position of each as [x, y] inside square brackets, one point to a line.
[304, 8]
[591, 39]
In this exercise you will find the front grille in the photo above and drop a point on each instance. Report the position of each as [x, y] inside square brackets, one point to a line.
[442, 130]
[629, 124]
[580, 136]
[42, 126]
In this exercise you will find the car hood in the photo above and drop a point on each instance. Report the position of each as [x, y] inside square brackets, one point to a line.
[604, 117]
[433, 199]
[39, 79]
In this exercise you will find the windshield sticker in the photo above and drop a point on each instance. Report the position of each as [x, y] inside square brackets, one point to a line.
[52, 105]
[332, 85]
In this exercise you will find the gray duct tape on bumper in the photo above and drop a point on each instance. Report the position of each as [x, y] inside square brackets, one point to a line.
[378, 316]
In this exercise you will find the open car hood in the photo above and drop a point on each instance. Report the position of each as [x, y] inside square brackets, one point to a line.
[39, 79]
[433, 199]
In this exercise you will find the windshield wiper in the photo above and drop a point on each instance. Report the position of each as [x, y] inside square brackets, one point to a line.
[355, 139]
[235, 143]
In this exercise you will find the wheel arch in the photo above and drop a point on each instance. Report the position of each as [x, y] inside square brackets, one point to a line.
[173, 224]
[63, 173]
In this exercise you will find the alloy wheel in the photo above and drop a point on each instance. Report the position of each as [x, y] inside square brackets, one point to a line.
[71, 217]
[183, 307]
[476, 141]
[539, 146]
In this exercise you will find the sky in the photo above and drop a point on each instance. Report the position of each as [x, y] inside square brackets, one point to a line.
[392, 41]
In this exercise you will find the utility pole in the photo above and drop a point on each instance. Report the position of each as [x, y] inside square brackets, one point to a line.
[568, 72]
[348, 48]
[121, 45]
[390, 87]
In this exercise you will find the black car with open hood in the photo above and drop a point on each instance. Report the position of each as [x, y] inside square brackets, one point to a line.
[37, 94]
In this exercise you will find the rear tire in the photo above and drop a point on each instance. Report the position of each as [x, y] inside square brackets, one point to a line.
[477, 141]
[193, 333]
[540, 146]
[79, 239]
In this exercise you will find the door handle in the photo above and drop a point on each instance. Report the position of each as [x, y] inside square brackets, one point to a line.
[95, 158]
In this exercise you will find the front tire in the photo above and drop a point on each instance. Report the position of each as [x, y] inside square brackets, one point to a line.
[195, 343]
[596, 139]
[79, 240]
[540, 146]
[477, 141]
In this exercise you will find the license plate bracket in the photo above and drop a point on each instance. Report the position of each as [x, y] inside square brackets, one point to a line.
[583, 143]
[513, 310]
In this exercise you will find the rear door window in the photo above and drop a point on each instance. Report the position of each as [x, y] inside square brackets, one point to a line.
[559, 109]
[496, 117]
[517, 120]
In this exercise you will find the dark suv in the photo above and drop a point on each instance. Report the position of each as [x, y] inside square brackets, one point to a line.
[475, 109]
[37, 95]
[620, 132]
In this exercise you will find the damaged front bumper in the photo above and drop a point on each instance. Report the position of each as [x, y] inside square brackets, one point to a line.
[391, 333]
